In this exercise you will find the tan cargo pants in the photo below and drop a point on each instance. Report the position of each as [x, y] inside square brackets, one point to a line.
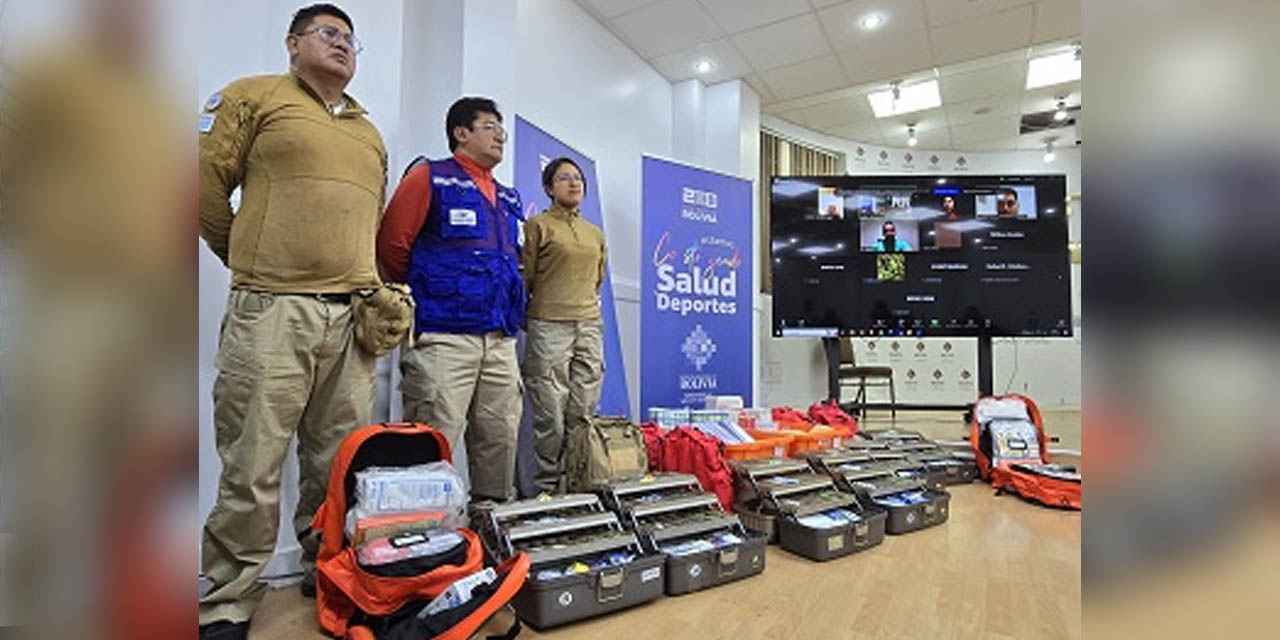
[563, 371]
[286, 364]
[468, 386]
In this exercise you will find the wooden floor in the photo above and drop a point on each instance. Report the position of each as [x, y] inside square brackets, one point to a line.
[999, 568]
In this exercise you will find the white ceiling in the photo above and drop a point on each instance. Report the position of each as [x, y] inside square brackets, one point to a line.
[813, 64]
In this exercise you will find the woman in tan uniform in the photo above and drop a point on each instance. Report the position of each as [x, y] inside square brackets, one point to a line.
[563, 260]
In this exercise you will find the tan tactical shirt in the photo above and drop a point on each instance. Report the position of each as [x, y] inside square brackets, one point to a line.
[563, 261]
[312, 186]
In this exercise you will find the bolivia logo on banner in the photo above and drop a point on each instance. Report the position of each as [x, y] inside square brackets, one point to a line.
[695, 262]
[534, 149]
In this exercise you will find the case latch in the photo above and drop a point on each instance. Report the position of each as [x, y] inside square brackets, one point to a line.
[609, 583]
[728, 562]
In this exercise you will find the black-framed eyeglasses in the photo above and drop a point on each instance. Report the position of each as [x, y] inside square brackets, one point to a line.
[331, 36]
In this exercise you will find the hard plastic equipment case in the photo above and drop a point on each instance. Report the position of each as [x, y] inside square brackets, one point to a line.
[749, 504]
[557, 533]
[956, 469]
[669, 508]
[879, 482]
[793, 497]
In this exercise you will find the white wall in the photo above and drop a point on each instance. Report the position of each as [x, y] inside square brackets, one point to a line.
[793, 371]
[578, 82]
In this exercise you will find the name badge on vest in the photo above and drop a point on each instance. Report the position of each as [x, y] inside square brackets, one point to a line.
[462, 217]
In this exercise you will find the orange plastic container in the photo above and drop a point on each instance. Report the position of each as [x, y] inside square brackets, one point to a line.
[801, 441]
[811, 441]
[768, 444]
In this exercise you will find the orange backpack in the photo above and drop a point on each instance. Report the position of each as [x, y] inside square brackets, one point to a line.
[352, 602]
[1009, 444]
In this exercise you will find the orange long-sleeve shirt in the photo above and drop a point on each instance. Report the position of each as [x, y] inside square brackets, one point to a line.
[407, 212]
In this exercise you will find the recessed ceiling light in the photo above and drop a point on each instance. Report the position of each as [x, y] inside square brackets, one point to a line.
[1061, 113]
[871, 21]
[912, 140]
[1049, 155]
[900, 100]
[703, 66]
[1053, 69]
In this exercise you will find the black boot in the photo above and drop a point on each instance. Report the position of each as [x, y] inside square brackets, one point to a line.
[224, 630]
[308, 585]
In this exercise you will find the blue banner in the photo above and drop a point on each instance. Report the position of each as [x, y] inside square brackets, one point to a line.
[695, 329]
[534, 149]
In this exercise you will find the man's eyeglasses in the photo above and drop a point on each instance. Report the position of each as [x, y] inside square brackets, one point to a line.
[494, 128]
[331, 36]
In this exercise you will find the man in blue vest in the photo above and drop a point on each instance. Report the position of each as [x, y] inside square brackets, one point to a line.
[453, 233]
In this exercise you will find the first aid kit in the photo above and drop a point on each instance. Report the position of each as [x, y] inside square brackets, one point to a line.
[583, 563]
[704, 545]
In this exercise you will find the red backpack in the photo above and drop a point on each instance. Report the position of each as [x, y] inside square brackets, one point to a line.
[359, 605]
[688, 450]
[830, 414]
[653, 435]
[1009, 444]
[787, 418]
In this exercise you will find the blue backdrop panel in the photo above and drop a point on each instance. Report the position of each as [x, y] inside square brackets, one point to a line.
[695, 329]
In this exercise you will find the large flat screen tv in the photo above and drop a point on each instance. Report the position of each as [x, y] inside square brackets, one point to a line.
[918, 255]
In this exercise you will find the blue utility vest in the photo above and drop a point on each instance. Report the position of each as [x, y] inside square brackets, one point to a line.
[464, 267]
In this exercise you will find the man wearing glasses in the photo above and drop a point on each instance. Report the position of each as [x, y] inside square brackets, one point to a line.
[453, 234]
[311, 169]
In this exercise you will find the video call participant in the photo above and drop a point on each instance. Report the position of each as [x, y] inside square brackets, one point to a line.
[1007, 204]
[949, 207]
[311, 168]
[890, 240]
[452, 232]
[563, 261]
